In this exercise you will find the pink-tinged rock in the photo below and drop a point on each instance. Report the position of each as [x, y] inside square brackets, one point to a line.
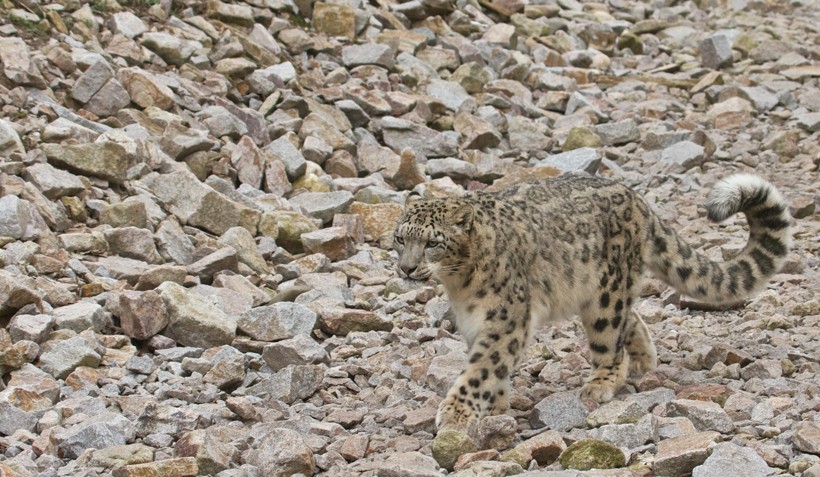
[249, 162]
[177, 467]
[679, 455]
[142, 314]
[334, 242]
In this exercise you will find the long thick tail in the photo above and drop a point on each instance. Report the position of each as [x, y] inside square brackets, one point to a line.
[693, 274]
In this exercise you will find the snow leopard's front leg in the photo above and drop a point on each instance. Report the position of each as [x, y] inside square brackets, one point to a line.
[483, 388]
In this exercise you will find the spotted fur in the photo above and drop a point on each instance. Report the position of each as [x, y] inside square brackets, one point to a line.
[576, 245]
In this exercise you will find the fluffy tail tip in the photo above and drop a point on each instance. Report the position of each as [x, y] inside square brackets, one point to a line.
[735, 194]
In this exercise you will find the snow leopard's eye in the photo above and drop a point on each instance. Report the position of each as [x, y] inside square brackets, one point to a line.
[434, 244]
[399, 239]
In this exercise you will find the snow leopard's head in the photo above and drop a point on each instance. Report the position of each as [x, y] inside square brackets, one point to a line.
[433, 237]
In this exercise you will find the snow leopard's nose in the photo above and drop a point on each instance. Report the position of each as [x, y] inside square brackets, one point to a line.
[408, 269]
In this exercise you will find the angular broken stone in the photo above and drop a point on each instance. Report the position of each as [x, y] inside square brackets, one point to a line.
[63, 357]
[560, 411]
[730, 459]
[585, 159]
[246, 250]
[368, 54]
[277, 322]
[133, 242]
[107, 160]
[324, 205]
[193, 320]
[334, 242]
[182, 194]
[341, 321]
[705, 415]
[285, 451]
[79, 317]
[334, 20]
[716, 51]
[301, 349]
[679, 455]
[142, 314]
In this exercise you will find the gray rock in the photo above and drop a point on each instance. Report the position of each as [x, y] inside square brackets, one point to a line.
[578, 101]
[730, 459]
[336, 243]
[163, 419]
[63, 357]
[616, 412]
[231, 13]
[682, 156]
[629, 436]
[649, 399]
[249, 162]
[324, 205]
[99, 432]
[617, 133]
[109, 100]
[18, 66]
[79, 317]
[107, 160]
[299, 350]
[127, 24]
[760, 97]
[123, 214]
[762, 369]
[196, 204]
[52, 182]
[290, 384]
[224, 259]
[560, 411]
[13, 418]
[452, 168]
[173, 244]
[443, 371]
[246, 250]
[450, 93]
[527, 135]
[193, 320]
[584, 159]
[92, 80]
[141, 364]
[807, 437]
[354, 113]
[142, 314]
[716, 51]
[669, 427]
[133, 242]
[679, 455]
[284, 71]
[400, 134]
[17, 218]
[368, 54]
[30, 327]
[406, 464]
[123, 268]
[277, 322]
[809, 121]
[9, 140]
[282, 453]
[221, 122]
[705, 415]
[283, 150]
[180, 142]
[170, 48]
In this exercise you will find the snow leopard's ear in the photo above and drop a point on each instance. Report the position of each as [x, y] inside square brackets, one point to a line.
[412, 197]
[462, 217]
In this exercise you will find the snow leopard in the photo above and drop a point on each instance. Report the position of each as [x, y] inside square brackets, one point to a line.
[514, 260]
